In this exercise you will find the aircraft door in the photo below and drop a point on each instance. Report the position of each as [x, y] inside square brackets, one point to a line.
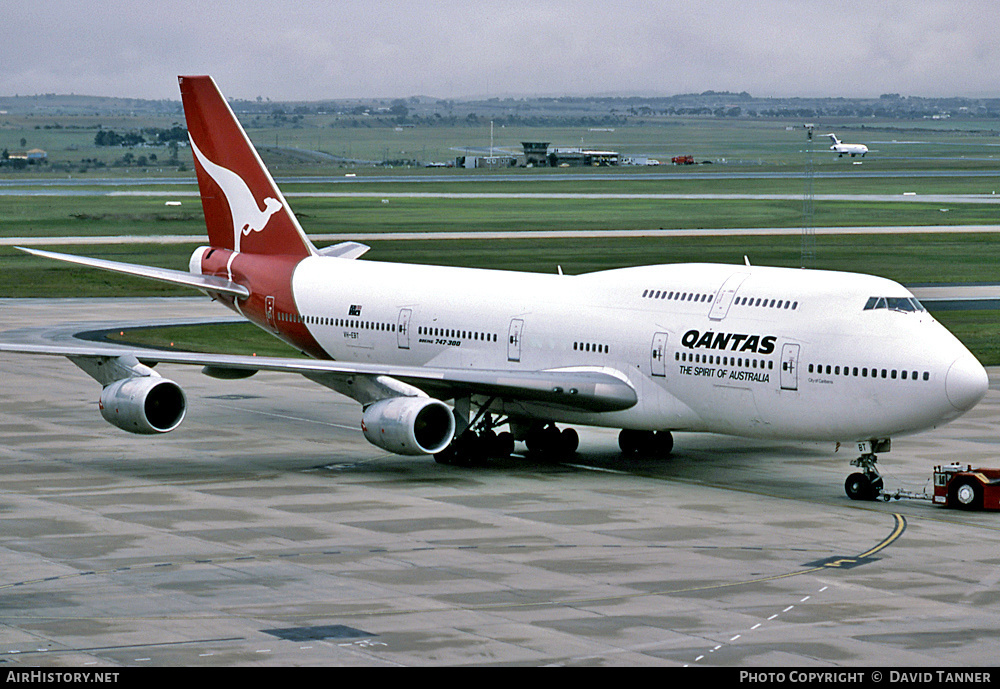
[658, 355]
[724, 297]
[790, 367]
[514, 340]
[269, 313]
[403, 328]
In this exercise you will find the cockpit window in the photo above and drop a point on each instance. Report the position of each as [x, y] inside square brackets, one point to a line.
[900, 304]
[904, 304]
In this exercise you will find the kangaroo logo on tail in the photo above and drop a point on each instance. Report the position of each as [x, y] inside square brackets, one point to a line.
[243, 207]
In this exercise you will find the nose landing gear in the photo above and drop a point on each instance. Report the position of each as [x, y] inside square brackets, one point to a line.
[866, 484]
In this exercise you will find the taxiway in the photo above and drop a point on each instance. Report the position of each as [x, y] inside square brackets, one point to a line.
[267, 531]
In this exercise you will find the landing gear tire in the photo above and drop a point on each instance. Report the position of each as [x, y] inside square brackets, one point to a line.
[552, 444]
[569, 441]
[504, 446]
[860, 486]
[645, 442]
[470, 449]
[446, 456]
[664, 442]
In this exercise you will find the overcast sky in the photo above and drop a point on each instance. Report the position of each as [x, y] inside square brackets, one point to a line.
[316, 49]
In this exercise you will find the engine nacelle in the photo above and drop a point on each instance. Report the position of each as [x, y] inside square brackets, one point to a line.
[144, 405]
[409, 425]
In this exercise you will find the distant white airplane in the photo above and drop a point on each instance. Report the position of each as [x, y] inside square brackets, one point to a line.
[849, 149]
[440, 357]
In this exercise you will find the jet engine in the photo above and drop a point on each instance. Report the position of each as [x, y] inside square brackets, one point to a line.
[409, 425]
[144, 404]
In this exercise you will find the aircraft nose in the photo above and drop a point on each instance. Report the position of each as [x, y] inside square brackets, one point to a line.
[966, 383]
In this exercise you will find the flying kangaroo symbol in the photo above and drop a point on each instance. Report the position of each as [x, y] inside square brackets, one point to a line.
[246, 213]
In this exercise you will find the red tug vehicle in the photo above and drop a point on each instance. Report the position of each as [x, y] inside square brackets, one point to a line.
[967, 488]
[956, 486]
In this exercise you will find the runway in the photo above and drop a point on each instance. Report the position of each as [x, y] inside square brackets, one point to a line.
[847, 170]
[267, 531]
[324, 237]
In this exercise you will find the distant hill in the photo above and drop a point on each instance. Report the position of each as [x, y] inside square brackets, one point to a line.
[536, 109]
[55, 104]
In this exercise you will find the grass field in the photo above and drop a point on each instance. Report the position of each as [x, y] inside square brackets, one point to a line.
[306, 145]
[963, 150]
[908, 259]
[53, 216]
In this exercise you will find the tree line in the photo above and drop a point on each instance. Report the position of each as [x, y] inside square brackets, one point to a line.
[150, 135]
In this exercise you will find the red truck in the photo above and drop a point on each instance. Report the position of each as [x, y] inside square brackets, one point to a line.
[682, 160]
[966, 488]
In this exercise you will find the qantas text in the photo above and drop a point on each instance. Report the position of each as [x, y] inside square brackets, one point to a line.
[734, 342]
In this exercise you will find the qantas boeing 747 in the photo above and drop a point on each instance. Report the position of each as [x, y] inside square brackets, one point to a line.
[439, 358]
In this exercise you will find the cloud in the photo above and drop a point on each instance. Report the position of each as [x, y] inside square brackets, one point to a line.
[315, 49]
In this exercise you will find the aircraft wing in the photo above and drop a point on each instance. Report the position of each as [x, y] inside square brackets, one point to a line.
[585, 389]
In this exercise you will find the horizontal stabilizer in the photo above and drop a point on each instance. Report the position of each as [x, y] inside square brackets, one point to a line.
[175, 277]
[345, 250]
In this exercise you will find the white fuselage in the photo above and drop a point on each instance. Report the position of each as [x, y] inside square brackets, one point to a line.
[849, 149]
[753, 351]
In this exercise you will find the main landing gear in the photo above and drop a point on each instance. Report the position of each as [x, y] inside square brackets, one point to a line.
[476, 448]
[867, 484]
[480, 443]
[477, 440]
[551, 443]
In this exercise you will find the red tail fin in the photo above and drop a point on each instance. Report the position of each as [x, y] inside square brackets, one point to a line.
[244, 210]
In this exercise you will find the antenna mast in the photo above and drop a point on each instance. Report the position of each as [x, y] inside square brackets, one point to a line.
[808, 211]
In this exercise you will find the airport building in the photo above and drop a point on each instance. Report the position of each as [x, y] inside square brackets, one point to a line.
[536, 153]
[490, 161]
[573, 157]
[539, 154]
